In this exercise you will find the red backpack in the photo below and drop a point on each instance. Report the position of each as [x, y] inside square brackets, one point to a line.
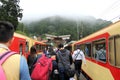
[3, 58]
[42, 69]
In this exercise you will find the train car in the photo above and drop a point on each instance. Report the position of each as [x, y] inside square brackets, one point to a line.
[40, 46]
[102, 52]
[69, 46]
[22, 44]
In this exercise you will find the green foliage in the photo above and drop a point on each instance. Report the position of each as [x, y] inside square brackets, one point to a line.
[10, 11]
[22, 29]
[64, 26]
[20, 32]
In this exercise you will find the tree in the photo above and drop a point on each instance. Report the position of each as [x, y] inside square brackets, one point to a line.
[10, 11]
[63, 26]
[22, 29]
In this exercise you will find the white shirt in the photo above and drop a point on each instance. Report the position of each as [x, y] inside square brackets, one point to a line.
[80, 55]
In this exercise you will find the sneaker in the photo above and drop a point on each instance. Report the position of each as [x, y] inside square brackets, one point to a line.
[72, 78]
[56, 71]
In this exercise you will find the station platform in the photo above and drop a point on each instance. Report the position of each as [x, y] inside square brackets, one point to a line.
[81, 75]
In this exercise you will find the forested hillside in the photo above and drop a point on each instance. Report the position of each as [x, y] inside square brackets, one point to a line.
[65, 26]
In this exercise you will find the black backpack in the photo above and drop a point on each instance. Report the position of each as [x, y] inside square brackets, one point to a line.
[70, 72]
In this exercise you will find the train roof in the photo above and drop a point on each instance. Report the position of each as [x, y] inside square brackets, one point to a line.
[112, 29]
[28, 38]
[40, 42]
[20, 35]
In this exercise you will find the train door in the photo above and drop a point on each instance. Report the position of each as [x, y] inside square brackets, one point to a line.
[22, 44]
[21, 49]
[27, 49]
[114, 51]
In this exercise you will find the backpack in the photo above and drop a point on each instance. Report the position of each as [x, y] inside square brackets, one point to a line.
[31, 66]
[3, 58]
[42, 69]
[69, 71]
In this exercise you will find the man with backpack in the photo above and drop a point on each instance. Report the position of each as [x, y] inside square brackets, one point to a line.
[12, 65]
[63, 59]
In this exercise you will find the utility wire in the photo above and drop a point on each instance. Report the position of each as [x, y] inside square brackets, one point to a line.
[115, 17]
[114, 5]
[109, 20]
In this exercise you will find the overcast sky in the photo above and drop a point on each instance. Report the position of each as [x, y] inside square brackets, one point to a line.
[37, 9]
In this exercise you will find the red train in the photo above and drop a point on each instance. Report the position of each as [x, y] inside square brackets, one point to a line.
[104, 65]
[22, 44]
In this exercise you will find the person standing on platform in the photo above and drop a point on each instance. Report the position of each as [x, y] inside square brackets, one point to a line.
[15, 66]
[78, 56]
[63, 58]
[54, 75]
[32, 58]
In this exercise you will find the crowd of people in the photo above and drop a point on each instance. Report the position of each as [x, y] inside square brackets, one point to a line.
[51, 65]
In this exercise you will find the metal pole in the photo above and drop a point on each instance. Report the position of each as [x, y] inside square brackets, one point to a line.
[81, 35]
[77, 29]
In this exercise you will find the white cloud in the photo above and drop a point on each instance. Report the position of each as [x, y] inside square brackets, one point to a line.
[34, 9]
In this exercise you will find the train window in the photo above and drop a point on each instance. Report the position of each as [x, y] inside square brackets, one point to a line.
[99, 51]
[111, 51]
[88, 49]
[21, 49]
[37, 47]
[82, 47]
[117, 47]
[114, 51]
[27, 47]
[41, 47]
